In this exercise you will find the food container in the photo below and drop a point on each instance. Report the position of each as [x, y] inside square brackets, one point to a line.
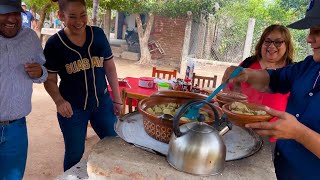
[187, 85]
[241, 119]
[161, 129]
[163, 86]
[178, 85]
[146, 82]
[122, 82]
[225, 97]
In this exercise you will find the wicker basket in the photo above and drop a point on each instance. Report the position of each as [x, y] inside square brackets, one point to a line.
[161, 129]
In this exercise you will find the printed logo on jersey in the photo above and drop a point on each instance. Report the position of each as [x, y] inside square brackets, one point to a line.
[25, 19]
[84, 64]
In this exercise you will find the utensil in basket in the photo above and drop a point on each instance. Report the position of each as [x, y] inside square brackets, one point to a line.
[193, 112]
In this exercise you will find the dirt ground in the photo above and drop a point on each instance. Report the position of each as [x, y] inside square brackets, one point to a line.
[46, 147]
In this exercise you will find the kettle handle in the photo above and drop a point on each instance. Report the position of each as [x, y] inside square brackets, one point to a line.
[184, 108]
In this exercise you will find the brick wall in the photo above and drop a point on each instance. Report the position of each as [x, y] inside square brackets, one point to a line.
[170, 35]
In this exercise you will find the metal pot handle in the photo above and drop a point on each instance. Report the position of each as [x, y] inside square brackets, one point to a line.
[200, 118]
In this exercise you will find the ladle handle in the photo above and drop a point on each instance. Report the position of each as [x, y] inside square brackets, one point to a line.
[184, 108]
[235, 73]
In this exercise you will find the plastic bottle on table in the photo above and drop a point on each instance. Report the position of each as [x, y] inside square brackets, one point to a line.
[187, 85]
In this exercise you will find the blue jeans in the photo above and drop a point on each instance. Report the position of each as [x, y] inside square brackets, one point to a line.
[74, 129]
[13, 150]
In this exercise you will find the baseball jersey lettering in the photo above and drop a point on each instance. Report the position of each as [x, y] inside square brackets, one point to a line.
[77, 66]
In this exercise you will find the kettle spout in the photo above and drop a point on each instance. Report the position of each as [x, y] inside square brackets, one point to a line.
[227, 125]
[224, 130]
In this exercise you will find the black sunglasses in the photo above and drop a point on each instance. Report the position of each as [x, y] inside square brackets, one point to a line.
[276, 43]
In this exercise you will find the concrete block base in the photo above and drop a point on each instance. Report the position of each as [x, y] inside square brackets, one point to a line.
[113, 158]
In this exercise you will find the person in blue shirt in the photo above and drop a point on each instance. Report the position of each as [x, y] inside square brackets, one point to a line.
[297, 151]
[21, 59]
[27, 17]
[82, 57]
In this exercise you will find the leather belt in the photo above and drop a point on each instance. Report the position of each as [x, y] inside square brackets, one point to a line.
[3, 123]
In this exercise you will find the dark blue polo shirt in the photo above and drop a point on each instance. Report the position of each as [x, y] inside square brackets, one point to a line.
[83, 80]
[293, 160]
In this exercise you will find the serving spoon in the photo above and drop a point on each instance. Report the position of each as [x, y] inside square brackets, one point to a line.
[193, 112]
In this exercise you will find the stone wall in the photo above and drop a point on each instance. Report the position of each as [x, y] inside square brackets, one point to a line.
[170, 34]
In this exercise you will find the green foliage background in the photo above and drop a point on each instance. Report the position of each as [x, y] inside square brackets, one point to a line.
[266, 12]
[235, 12]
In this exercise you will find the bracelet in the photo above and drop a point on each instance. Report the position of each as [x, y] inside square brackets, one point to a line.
[117, 103]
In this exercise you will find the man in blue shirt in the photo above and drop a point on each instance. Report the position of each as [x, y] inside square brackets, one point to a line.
[297, 152]
[27, 17]
[20, 67]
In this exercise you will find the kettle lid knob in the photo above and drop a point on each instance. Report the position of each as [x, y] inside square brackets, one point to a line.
[201, 118]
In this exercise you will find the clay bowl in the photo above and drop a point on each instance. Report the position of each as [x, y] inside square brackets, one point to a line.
[222, 102]
[180, 95]
[242, 119]
[225, 97]
[161, 129]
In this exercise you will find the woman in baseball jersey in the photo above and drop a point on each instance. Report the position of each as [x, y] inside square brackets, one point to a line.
[82, 57]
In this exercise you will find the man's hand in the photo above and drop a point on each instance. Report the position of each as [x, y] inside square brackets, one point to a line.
[242, 77]
[286, 126]
[34, 70]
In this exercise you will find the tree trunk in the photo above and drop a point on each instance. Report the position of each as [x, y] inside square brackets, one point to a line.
[95, 7]
[106, 23]
[144, 34]
[42, 13]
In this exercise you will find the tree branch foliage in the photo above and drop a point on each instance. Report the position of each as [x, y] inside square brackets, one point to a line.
[39, 4]
[234, 16]
[169, 8]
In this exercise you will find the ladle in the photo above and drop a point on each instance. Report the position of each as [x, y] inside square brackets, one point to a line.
[193, 112]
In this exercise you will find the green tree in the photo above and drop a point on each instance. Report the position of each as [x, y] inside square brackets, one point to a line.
[236, 13]
[41, 7]
[296, 5]
[169, 8]
[298, 8]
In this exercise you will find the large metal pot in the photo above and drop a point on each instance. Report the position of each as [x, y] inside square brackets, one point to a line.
[198, 148]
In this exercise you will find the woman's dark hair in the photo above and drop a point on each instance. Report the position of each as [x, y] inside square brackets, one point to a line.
[288, 56]
[63, 3]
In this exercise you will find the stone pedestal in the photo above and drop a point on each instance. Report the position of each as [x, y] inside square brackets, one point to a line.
[113, 158]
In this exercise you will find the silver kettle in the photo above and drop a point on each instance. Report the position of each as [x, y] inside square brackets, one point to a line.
[198, 148]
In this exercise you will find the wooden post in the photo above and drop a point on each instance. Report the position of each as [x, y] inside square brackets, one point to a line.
[116, 25]
[249, 37]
